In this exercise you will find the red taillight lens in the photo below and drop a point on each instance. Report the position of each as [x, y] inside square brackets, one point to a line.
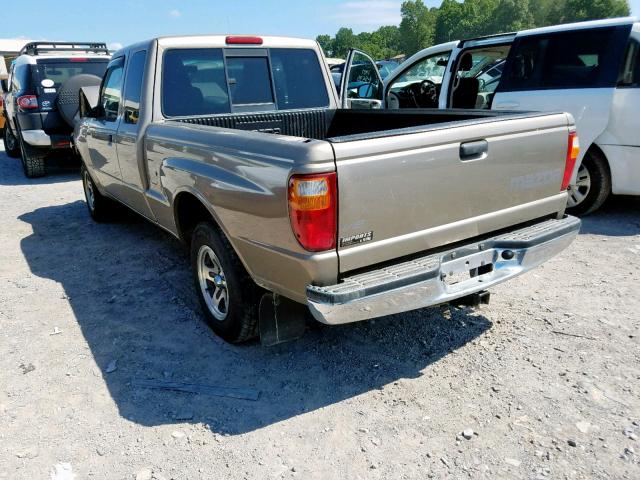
[1, 102]
[313, 205]
[27, 102]
[243, 40]
[78, 59]
[572, 156]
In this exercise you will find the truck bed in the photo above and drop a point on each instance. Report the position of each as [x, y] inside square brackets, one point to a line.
[334, 125]
[403, 184]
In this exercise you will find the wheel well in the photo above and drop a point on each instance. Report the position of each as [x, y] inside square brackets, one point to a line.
[595, 149]
[189, 211]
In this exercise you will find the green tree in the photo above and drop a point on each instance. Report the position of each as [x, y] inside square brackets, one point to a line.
[511, 16]
[326, 43]
[417, 28]
[578, 10]
[343, 41]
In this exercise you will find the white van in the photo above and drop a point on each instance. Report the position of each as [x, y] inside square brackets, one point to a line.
[589, 69]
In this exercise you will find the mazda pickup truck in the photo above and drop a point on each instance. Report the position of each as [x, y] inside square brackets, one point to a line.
[295, 198]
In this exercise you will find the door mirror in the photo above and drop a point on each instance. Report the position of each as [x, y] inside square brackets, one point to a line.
[361, 85]
[88, 102]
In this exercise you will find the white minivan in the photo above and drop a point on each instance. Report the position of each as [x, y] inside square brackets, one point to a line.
[589, 69]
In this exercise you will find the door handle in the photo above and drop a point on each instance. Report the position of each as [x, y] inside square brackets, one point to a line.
[507, 105]
[110, 138]
[474, 150]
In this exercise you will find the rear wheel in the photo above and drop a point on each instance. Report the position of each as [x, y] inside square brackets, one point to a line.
[592, 187]
[228, 295]
[33, 160]
[11, 145]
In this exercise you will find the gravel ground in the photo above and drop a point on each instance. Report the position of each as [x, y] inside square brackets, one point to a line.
[542, 383]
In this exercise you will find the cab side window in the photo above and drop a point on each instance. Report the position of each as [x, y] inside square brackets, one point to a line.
[630, 71]
[111, 90]
[133, 87]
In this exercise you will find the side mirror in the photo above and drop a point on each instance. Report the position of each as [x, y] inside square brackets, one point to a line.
[88, 102]
[365, 91]
[442, 62]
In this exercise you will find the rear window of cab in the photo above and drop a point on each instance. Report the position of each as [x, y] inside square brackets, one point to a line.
[205, 81]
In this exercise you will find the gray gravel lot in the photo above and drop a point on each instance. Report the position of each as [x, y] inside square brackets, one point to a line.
[542, 383]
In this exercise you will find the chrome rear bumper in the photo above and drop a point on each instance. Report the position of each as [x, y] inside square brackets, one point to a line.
[426, 281]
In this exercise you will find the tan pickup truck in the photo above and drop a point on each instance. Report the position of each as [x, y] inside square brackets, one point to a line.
[290, 202]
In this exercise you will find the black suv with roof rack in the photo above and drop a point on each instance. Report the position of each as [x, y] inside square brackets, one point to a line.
[42, 99]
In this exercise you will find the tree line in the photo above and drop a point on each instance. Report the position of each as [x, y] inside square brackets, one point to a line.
[422, 26]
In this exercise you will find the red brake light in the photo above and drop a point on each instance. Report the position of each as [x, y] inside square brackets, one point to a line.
[243, 40]
[313, 210]
[573, 150]
[27, 102]
[1, 102]
[78, 59]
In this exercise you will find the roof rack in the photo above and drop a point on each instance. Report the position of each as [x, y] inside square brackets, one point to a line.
[36, 48]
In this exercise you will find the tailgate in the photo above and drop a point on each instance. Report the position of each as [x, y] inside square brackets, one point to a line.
[409, 192]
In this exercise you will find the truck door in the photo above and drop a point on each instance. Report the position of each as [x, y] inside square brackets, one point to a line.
[361, 85]
[101, 131]
[129, 138]
[574, 71]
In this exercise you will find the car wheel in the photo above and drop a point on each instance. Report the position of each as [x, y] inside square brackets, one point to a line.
[227, 294]
[33, 160]
[100, 207]
[11, 145]
[592, 187]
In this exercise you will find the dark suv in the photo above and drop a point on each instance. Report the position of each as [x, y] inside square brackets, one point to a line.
[42, 98]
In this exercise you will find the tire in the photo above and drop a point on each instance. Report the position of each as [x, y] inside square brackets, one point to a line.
[33, 160]
[593, 185]
[100, 208]
[235, 317]
[11, 145]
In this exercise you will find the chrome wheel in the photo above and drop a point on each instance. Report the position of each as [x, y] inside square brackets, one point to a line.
[213, 283]
[88, 191]
[582, 187]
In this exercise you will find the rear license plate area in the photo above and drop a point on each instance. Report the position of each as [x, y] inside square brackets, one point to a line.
[464, 269]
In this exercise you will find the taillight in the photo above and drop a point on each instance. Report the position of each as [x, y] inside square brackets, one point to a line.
[27, 102]
[1, 102]
[313, 210]
[243, 40]
[573, 150]
[78, 59]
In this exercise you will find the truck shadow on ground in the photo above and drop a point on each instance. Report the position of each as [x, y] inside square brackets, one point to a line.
[130, 289]
[619, 216]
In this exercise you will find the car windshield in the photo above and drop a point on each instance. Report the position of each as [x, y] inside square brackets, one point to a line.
[60, 71]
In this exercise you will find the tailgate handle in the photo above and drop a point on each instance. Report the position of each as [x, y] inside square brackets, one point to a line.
[474, 150]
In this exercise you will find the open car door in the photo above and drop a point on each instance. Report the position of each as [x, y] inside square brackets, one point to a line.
[361, 85]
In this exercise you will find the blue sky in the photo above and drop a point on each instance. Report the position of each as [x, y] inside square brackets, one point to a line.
[127, 21]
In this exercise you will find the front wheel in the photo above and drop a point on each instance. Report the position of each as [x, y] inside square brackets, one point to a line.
[227, 294]
[592, 187]
[11, 145]
[100, 207]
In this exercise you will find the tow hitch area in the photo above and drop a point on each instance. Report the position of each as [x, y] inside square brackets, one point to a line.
[281, 320]
[473, 300]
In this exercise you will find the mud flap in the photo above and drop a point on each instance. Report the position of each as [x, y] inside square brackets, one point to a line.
[281, 320]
